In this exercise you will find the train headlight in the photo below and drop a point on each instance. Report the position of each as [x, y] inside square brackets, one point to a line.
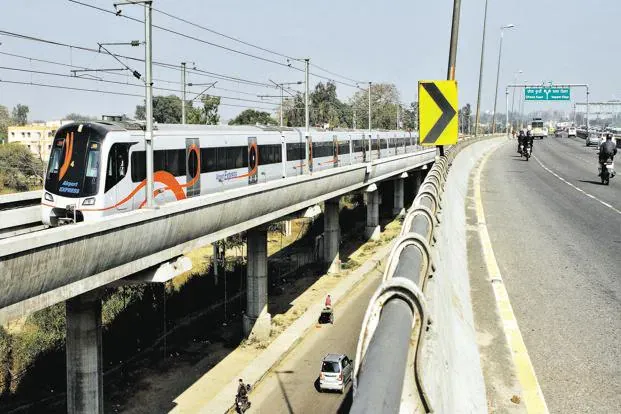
[48, 197]
[89, 201]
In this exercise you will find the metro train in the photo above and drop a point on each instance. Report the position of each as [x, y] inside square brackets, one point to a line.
[98, 169]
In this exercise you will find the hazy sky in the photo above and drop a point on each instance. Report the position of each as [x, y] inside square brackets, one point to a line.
[401, 42]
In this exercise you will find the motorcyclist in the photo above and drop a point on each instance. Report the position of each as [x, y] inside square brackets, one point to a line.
[607, 151]
[242, 392]
[521, 136]
[529, 139]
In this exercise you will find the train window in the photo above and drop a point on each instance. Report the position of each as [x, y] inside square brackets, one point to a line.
[270, 154]
[296, 151]
[220, 158]
[384, 143]
[139, 168]
[208, 160]
[118, 159]
[236, 156]
[375, 144]
[322, 149]
[175, 162]
[343, 147]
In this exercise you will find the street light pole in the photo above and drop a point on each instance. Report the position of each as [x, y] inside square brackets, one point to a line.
[509, 26]
[148, 104]
[507, 108]
[513, 95]
[476, 118]
[183, 94]
[452, 52]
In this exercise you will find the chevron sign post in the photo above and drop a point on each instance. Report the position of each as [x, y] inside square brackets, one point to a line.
[437, 111]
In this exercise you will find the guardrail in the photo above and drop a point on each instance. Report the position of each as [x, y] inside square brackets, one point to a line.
[397, 315]
[20, 213]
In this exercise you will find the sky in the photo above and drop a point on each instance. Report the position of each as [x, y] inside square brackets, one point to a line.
[392, 41]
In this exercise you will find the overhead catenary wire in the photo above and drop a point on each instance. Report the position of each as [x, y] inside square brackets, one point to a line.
[170, 66]
[283, 64]
[121, 83]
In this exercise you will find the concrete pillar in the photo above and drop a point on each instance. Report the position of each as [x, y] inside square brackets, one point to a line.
[418, 181]
[83, 348]
[257, 322]
[331, 235]
[373, 228]
[397, 208]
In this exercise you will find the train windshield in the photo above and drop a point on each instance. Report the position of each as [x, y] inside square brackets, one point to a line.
[73, 169]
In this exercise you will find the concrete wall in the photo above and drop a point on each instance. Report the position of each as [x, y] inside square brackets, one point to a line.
[40, 269]
[451, 364]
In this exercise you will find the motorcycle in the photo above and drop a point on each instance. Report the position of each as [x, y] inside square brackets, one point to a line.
[242, 403]
[527, 151]
[606, 171]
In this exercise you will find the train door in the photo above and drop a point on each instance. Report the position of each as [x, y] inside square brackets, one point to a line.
[193, 167]
[335, 150]
[118, 161]
[253, 160]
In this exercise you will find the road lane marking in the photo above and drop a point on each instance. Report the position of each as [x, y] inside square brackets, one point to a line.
[533, 396]
[577, 188]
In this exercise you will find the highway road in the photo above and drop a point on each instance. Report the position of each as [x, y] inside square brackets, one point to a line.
[556, 235]
[291, 386]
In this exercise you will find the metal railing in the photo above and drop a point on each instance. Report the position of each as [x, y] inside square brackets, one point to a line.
[396, 321]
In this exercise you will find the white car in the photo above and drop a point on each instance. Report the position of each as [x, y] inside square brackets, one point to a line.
[592, 139]
[336, 372]
[571, 132]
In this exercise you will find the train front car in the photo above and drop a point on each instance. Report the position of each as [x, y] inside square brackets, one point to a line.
[73, 177]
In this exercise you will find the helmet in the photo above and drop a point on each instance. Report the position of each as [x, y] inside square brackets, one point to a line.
[609, 136]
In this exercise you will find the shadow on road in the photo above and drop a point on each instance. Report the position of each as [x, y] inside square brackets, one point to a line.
[282, 389]
[591, 182]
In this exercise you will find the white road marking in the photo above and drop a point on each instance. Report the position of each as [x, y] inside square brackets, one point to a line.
[577, 188]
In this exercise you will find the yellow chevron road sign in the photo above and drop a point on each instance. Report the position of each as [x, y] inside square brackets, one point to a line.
[437, 112]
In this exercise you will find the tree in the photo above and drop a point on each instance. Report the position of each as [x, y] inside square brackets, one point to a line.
[410, 117]
[384, 101]
[324, 108]
[20, 114]
[166, 110]
[252, 117]
[18, 167]
[78, 117]
[208, 114]
[5, 122]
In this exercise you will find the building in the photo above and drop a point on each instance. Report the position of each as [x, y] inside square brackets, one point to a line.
[37, 137]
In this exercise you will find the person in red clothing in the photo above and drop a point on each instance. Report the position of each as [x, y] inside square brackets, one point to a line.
[328, 302]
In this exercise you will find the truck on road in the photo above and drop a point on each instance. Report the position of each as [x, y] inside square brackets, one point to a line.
[537, 128]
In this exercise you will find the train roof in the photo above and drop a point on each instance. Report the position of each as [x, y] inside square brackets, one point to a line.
[110, 126]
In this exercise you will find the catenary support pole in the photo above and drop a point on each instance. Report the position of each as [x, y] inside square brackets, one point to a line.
[183, 85]
[307, 118]
[149, 104]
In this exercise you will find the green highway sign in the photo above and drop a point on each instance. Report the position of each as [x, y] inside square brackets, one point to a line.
[544, 93]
